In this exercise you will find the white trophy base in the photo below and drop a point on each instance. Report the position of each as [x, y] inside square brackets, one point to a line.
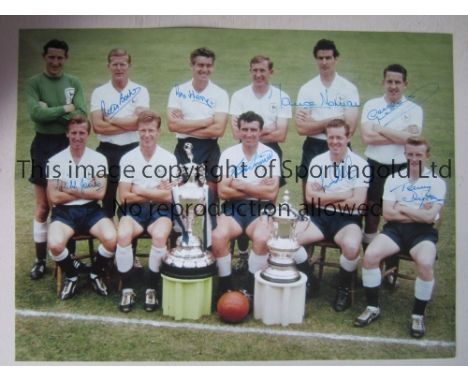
[276, 303]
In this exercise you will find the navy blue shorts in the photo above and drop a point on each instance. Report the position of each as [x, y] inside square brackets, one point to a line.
[80, 218]
[43, 147]
[331, 222]
[146, 214]
[205, 151]
[244, 212]
[408, 235]
[378, 175]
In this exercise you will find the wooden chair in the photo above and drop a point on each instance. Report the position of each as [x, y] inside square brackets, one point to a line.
[396, 271]
[322, 262]
[58, 271]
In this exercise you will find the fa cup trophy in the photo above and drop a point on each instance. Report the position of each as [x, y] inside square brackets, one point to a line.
[283, 244]
[188, 260]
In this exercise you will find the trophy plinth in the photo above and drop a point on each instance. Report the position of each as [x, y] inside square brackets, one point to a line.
[188, 260]
[282, 245]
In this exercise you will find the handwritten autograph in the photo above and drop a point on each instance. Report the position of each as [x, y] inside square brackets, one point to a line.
[194, 97]
[124, 99]
[82, 184]
[257, 160]
[326, 102]
[421, 194]
[343, 171]
[420, 93]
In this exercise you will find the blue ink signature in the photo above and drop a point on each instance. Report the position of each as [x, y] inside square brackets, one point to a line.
[256, 161]
[419, 194]
[83, 184]
[343, 171]
[194, 97]
[124, 100]
[326, 102]
[380, 114]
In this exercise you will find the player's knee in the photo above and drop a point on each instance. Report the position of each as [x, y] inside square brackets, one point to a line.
[124, 237]
[351, 248]
[55, 245]
[371, 258]
[109, 238]
[425, 269]
[159, 239]
[219, 235]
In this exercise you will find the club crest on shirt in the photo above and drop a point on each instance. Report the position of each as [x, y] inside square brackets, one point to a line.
[69, 93]
[273, 108]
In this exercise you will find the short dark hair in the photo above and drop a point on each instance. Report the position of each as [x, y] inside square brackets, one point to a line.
[259, 59]
[118, 52]
[78, 118]
[147, 116]
[250, 116]
[419, 141]
[204, 52]
[397, 68]
[338, 123]
[55, 44]
[324, 44]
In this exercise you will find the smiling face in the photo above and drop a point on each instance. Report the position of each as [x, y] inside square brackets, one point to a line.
[202, 68]
[149, 133]
[326, 62]
[260, 73]
[77, 135]
[54, 60]
[119, 67]
[337, 141]
[417, 156]
[394, 87]
[250, 133]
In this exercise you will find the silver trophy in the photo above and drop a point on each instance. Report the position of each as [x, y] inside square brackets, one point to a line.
[188, 260]
[283, 244]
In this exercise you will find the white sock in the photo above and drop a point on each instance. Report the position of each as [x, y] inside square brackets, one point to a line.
[61, 256]
[39, 231]
[371, 278]
[257, 262]
[368, 237]
[104, 252]
[156, 256]
[300, 255]
[423, 289]
[224, 265]
[124, 258]
[349, 265]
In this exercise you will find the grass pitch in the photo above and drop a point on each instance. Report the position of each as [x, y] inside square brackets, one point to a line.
[160, 60]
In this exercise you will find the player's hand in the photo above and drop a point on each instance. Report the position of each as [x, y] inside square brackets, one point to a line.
[209, 121]
[137, 189]
[176, 114]
[302, 115]
[43, 105]
[316, 187]
[238, 184]
[165, 185]
[376, 127]
[69, 108]
[267, 181]
[412, 129]
[427, 205]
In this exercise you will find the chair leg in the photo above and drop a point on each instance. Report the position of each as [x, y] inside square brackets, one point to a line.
[58, 279]
[323, 254]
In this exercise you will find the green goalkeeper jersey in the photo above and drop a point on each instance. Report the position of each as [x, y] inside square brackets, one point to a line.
[55, 92]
